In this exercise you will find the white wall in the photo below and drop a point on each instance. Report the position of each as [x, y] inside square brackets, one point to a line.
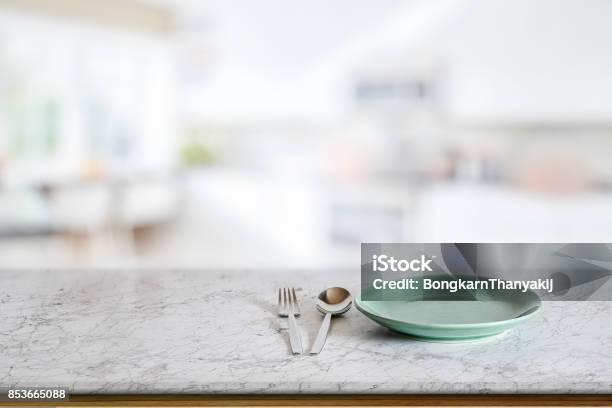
[529, 60]
[260, 55]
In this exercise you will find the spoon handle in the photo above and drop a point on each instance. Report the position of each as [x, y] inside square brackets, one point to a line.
[320, 340]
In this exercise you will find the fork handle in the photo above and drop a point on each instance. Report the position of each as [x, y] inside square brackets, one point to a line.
[322, 336]
[294, 335]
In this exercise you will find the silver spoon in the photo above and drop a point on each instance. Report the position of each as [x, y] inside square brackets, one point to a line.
[332, 301]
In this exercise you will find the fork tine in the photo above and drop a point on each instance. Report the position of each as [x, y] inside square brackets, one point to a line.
[279, 305]
[284, 302]
[287, 300]
[290, 300]
[297, 305]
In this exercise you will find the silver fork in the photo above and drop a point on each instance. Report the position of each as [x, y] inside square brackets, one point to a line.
[288, 307]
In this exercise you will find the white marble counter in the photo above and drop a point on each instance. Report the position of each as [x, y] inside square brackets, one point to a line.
[200, 331]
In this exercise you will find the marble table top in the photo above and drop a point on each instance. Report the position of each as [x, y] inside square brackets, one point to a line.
[217, 332]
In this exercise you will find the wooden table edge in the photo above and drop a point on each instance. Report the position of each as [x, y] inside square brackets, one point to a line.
[238, 400]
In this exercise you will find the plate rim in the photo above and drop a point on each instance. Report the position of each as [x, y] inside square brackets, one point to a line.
[363, 309]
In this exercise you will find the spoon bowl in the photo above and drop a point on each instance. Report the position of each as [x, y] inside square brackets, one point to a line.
[331, 302]
[335, 301]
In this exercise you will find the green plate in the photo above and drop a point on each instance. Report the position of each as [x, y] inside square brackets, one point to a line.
[444, 316]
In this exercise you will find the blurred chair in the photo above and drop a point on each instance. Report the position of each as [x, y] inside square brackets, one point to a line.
[81, 213]
[142, 207]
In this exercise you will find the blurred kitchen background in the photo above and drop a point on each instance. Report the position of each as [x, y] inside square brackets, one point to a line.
[282, 133]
